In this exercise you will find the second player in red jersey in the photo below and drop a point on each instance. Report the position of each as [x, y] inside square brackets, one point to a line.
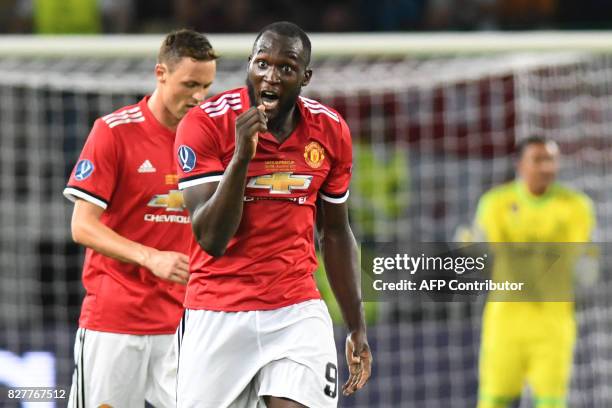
[129, 214]
[269, 262]
[126, 169]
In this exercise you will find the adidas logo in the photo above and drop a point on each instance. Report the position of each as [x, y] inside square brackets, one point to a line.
[146, 167]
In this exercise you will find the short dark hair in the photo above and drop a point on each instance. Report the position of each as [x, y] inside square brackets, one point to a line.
[524, 143]
[185, 43]
[291, 30]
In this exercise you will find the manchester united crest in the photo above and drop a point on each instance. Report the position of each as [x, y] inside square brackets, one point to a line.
[314, 155]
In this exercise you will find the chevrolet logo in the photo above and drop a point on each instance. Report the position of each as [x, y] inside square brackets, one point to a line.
[281, 183]
[173, 201]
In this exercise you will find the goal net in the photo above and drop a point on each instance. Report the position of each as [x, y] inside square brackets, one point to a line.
[434, 126]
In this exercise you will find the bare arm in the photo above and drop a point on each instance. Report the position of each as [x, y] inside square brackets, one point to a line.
[88, 230]
[216, 208]
[338, 244]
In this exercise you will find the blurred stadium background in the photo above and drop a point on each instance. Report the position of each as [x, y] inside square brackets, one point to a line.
[434, 117]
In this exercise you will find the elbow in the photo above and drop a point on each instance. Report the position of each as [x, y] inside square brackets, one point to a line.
[206, 236]
[319, 236]
[320, 240]
[212, 247]
[78, 233]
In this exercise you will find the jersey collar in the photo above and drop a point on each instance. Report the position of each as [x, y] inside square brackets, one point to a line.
[149, 117]
[526, 195]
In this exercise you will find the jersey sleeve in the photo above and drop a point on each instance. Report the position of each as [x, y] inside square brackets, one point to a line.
[335, 188]
[94, 176]
[584, 219]
[197, 151]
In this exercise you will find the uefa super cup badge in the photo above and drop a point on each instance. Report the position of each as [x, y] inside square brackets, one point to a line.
[314, 155]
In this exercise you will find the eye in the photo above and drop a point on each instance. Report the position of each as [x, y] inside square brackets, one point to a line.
[262, 64]
[191, 84]
[287, 69]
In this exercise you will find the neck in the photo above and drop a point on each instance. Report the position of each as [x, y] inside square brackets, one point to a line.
[282, 128]
[160, 112]
[536, 190]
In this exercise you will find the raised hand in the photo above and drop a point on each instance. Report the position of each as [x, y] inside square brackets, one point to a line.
[248, 126]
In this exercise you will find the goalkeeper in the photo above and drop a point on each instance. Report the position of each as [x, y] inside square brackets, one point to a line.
[530, 342]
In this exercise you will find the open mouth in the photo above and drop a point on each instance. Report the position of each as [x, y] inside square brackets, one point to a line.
[269, 99]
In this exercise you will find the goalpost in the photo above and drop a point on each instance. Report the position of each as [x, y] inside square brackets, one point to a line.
[434, 119]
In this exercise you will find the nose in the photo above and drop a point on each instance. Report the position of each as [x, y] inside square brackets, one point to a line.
[547, 165]
[200, 95]
[548, 169]
[272, 75]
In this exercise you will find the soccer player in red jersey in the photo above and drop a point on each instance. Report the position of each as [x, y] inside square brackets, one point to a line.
[130, 215]
[257, 166]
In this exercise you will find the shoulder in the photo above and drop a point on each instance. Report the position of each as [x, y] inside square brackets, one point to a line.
[107, 129]
[317, 113]
[575, 198]
[123, 117]
[227, 103]
[496, 197]
[217, 112]
[326, 121]
[500, 193]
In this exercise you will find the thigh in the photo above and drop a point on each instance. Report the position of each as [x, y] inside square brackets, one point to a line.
[75, 399]
[550, 364]
[277, 402]
[161, 372]
[110, 369]
[219, 356]
[502, 365]
[302, 367]
[292, 384]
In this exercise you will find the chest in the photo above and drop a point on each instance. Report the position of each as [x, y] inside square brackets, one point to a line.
[544, 222]
[147, 172]
[296, 168]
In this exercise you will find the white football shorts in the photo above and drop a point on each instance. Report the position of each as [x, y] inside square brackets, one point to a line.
[233, 359]
[123, 370]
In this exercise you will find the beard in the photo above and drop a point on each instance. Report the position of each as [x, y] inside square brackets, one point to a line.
[285, 105]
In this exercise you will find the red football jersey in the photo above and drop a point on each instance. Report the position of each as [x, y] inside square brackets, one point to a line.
[127, 167]
[270, 261]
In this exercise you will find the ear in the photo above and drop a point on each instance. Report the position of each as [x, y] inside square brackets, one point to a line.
[518, 166]
[307, 76]
[248, 65]
[161, 72]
